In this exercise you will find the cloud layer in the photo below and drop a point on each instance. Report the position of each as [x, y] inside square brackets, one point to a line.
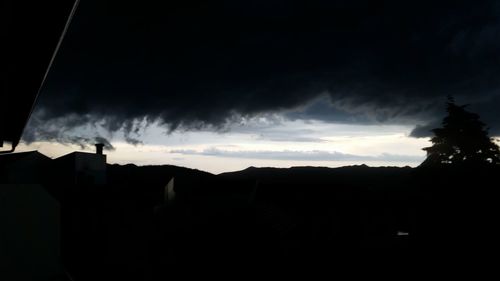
[315, 155]
[198, 64]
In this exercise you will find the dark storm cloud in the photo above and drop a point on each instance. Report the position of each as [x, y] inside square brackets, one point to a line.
[421, 131]
[194, 64]
[61, 130]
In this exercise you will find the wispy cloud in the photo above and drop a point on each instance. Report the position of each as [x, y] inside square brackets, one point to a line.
[313, 155]
[289, 138]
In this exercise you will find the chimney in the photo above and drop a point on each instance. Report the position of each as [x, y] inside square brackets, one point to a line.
[98, 148]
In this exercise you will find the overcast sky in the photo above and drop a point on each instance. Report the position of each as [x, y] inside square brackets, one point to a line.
[221, 85]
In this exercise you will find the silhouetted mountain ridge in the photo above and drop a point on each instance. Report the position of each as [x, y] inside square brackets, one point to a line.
[309, 174]
[152, 175]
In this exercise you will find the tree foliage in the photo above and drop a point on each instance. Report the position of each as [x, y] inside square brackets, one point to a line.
[463, 139]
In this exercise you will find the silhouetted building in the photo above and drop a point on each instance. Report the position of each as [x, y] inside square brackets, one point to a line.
[169, 192]
[45, 210]
[34, 167]
[24, 167]
[81, 168]
[30, 233]
[32, 217]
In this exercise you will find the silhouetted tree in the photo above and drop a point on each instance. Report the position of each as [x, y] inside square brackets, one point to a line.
[463, 139]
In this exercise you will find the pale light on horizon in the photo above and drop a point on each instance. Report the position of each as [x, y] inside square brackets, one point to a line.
[222, 152]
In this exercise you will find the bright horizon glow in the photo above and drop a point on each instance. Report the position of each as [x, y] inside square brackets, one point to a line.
[287, 144]
[156, 155]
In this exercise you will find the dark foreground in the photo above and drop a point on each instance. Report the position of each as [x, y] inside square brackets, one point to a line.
[293, 216]
[136, 227]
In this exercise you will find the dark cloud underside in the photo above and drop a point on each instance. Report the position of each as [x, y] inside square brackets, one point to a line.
[199, 63]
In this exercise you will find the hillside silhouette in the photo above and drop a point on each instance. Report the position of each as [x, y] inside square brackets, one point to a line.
[131, 222]
[446, 205]
[152, 176]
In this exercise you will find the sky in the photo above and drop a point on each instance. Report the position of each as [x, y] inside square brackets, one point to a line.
[223, 85]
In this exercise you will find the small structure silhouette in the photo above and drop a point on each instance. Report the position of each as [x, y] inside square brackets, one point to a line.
[99, 147]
